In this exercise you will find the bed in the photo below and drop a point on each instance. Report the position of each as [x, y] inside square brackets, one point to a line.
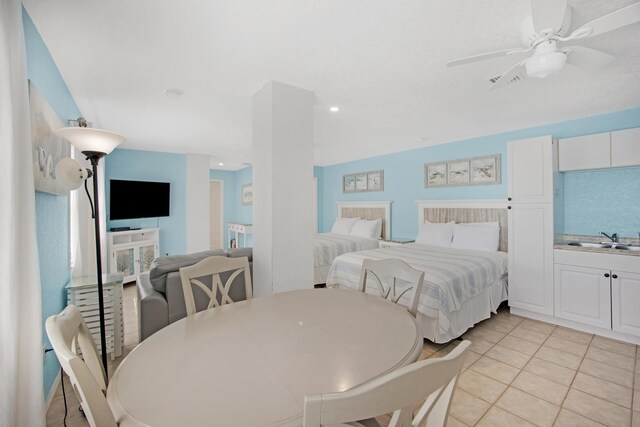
[461, 287]
[328, 246]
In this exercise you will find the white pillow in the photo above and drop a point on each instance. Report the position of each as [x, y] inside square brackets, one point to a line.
[436, 234]
[343, 225]
[482, 224]
[476, 237]
[370, 229]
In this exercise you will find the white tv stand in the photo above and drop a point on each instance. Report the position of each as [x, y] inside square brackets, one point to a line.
[132, 251]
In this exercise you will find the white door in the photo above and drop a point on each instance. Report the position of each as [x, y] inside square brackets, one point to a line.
[531, 257]
[531, 165]
[217, 214]
[625, 295]
[583, 295]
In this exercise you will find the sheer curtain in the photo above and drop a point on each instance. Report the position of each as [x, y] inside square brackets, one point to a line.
[21, 373]
[83, 241]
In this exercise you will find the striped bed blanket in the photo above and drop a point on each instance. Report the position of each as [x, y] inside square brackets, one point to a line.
[327, 246]
[452, 276]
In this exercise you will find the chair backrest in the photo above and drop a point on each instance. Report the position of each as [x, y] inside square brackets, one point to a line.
[392, 270]
[87, 376]
[398, 391]
[212, 267]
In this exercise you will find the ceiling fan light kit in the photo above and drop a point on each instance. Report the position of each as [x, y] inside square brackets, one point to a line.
[548, 25]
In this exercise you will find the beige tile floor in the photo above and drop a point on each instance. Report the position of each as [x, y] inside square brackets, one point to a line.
[519, 372]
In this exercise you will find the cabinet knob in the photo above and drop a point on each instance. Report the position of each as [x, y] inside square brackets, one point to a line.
[508, 207]
[509, 198]
[615, 276]
[606, 274]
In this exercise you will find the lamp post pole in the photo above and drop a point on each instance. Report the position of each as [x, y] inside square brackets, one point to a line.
[94, 158]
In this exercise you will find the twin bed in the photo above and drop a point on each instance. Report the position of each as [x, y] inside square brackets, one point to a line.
[461, 287]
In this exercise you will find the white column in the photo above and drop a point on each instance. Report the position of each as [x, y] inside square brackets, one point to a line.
[198, 204]
[282, 189]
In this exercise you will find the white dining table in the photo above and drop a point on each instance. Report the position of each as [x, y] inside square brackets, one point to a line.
[252, 363]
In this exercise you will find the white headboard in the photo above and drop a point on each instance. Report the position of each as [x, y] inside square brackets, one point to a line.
[368, 210]
[462, 211]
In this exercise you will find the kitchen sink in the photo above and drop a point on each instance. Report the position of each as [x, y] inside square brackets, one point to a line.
[605, 246]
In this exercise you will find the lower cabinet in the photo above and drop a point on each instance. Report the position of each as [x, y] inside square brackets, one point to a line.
[601, 290]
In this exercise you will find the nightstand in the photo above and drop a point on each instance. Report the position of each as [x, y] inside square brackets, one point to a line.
[391, 243]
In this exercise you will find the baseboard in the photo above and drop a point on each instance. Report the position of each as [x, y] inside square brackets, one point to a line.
[52, 392]
[607, 333]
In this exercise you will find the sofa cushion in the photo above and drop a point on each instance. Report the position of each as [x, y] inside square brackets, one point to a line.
[164, 265]
[240, 252]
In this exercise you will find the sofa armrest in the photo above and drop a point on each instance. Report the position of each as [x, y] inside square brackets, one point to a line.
[153, 311]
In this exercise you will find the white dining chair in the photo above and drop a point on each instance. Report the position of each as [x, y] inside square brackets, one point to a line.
[87, 376]
[392, 270]
[213, 266]
[398, 392]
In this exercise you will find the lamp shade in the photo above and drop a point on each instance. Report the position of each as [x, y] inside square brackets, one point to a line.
[70, 174]
[92, 140]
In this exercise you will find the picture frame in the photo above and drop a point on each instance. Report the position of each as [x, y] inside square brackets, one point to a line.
[247, 194]
[363, 181]
[48, 148]
[435, 174]
[375, 181]
[486, 170]
[458, 172]
[348, 183]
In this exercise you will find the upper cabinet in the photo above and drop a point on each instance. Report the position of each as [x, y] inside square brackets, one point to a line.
[531, 165]
[599, 151]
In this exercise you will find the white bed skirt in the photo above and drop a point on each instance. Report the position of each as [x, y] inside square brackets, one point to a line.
[474, 310]
[320, 274]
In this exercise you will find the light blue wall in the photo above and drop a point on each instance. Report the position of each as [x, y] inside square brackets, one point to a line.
[404, 172]
[137, 165]
[604, 200]
[52, 212]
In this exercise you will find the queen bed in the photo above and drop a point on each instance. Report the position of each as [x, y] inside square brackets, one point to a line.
[463, 284]
[350, 236]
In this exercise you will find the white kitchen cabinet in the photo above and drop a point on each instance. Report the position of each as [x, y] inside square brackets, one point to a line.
[625, 295]
[531, 165]
[585, 152]
[531, 169]
[132, 251]
[599, 151]
[625, 147]
[585, 281]
[583, 294]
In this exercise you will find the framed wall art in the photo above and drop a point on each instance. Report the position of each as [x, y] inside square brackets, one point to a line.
[472, 171]
[363, 181]
[247, 194]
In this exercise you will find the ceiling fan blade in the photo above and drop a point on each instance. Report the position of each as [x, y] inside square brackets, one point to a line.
[547, 14]
[585, 57]
[515, 74]
[484, 56]
[612, 21]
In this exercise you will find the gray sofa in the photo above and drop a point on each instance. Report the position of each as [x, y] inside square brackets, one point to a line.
[160, 298]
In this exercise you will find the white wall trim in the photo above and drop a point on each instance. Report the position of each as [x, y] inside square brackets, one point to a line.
[473, 204]
[386, 205]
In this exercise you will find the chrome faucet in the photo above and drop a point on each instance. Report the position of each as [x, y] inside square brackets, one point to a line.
[613, 237]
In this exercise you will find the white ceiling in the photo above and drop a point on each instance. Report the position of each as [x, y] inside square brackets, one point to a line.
[382, 62]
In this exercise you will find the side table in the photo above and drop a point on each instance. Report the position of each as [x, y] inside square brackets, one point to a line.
[83, 293]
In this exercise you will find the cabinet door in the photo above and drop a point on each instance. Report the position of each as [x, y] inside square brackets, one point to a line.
[531, 170]
[146, 255]
[583, 295]
[585, 152]
[531, 257]
[625, 294]
[125, 262]
[625, 147]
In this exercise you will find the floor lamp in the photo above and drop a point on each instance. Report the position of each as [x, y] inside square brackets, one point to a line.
[94, 144]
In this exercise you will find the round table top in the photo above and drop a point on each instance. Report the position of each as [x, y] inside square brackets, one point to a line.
[251, 363]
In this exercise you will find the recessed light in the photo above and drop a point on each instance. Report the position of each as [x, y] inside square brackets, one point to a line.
[173, 92]
[220, 164]
[334, 109]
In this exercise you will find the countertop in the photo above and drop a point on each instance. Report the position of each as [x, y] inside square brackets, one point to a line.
[561, 239]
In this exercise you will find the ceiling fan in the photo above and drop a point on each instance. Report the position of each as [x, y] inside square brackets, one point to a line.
[544, 30]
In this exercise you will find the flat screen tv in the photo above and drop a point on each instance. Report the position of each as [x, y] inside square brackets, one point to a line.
[138, 199]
